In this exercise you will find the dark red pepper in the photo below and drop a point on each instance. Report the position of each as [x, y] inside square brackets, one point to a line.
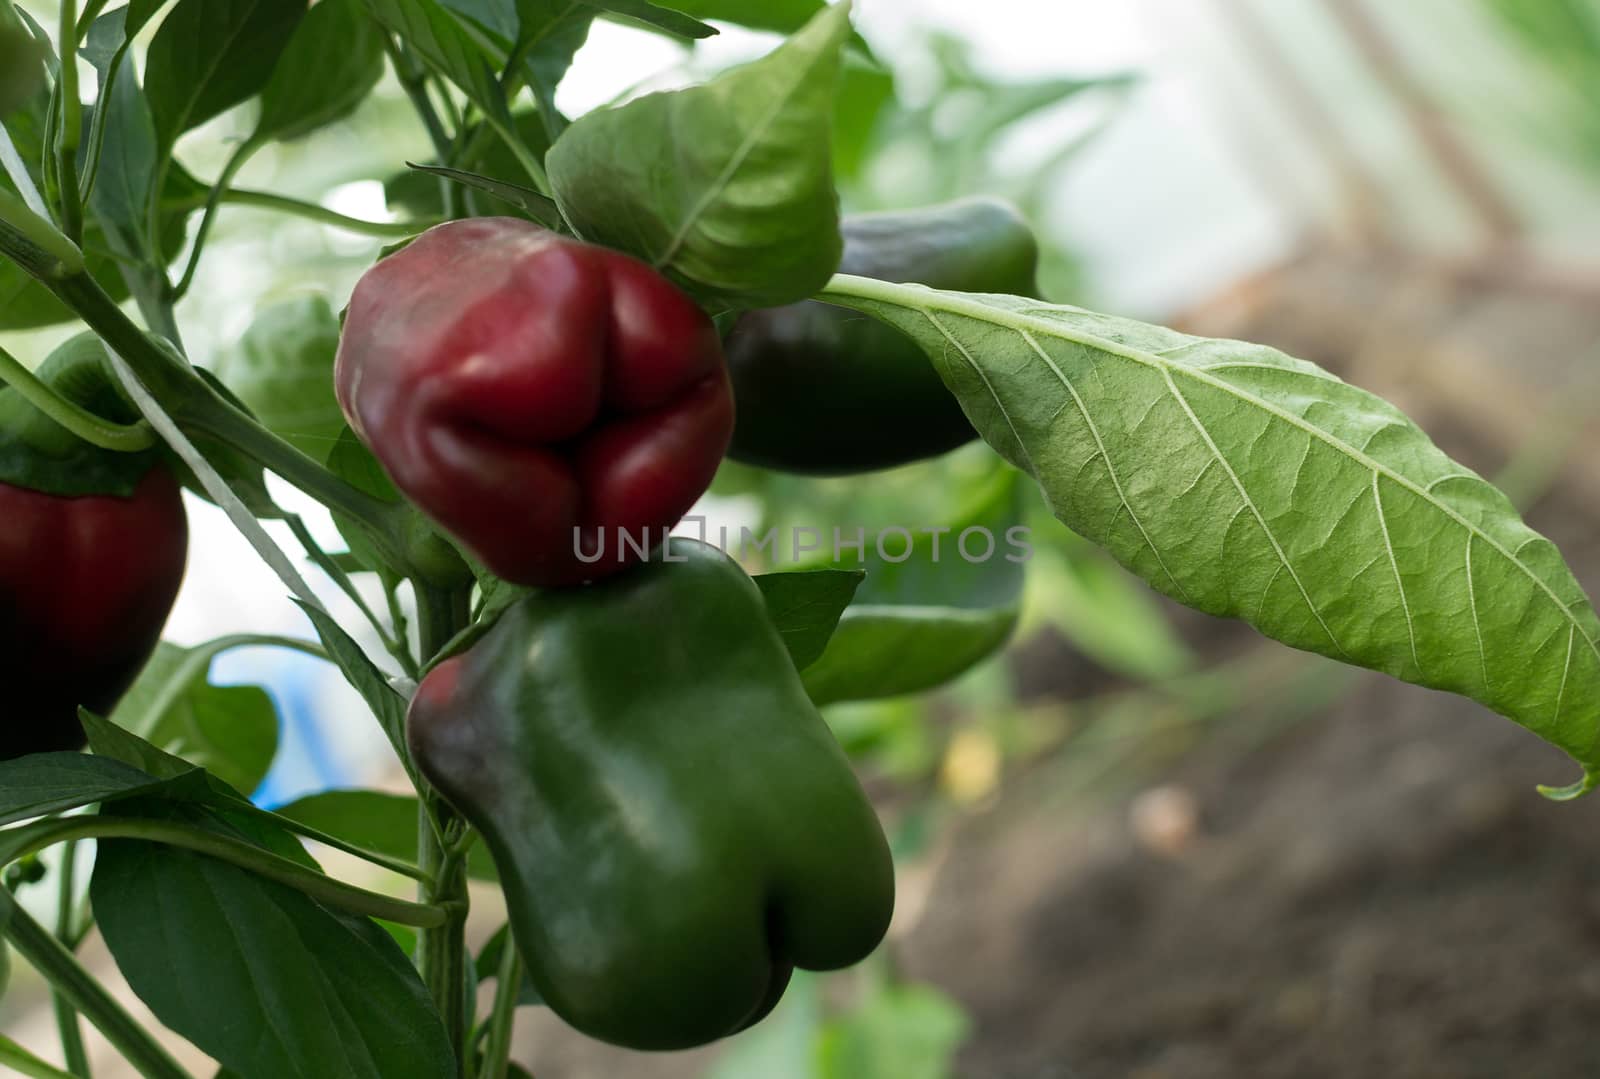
[86, 584]
[535, 395]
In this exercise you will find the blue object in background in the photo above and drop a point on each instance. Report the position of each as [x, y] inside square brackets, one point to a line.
[306, 762]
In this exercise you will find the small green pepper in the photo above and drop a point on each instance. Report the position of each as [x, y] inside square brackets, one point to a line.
[824, 390]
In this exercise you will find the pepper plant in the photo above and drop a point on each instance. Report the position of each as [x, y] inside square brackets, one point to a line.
[624, 741]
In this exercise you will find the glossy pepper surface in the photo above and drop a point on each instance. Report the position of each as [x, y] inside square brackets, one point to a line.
[829, 391]
[89, 566]
[674, 825]
[534, 395]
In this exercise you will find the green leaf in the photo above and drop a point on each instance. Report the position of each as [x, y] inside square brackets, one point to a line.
[386, 703]
[866, 93]
[904, 1032]
[45, 783]
[109, 740]
[805, 606]
[1249, 484]
[417, 193]
[934, 603]
[272, 983]
[25, 303]
[536, 206]
[352, 462]
[778, 16]
[551, 33]
[375, 821]
[726, 187]
[442, 41]
[22, 60]
[282, 368]
[660, 17]
[210, 55]
[231, 731]
[329, 67]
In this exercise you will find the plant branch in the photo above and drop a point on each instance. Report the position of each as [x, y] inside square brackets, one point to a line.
[121, 437]
[26, 1064]
[442, 950]
[72, 1050]
[70, 128]
[339, 577]
[31, 838]
[32, 242]
[67, 975]
[502, 1021]
[236, 161]
[311, 211]
[414, 81]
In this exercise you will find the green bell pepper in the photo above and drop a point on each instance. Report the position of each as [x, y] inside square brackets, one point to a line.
[674, 825]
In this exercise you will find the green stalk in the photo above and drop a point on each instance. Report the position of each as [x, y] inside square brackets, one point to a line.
[33, 243]
[66, 1015]
[442, 950]
[383, 230]
[121, 437]
[236, 161]
[69, 131]
[414, 81]
[32, 838]
[508, 986]
[26, 1064]
[88, 996]
[91, 12]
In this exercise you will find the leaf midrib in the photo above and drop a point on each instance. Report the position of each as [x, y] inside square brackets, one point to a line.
[917, 299]
[715, 189]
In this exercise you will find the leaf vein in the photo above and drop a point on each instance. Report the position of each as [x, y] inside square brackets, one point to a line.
[1111, 469]
[1255, 512]
[1394, 564]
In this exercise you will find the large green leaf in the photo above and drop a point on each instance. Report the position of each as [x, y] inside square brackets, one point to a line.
[726, 187]
[210, 55]
[273, 984]
[1246, 483]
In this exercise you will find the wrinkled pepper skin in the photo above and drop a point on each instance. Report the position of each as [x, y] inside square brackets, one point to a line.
[674, 825]
[86, 583]
[530, 393]
[828, 391]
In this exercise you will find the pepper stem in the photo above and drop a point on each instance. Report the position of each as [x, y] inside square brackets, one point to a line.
[120, 437]
[442, 950]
